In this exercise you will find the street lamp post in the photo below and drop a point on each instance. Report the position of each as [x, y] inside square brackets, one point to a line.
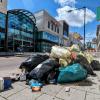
[84, 8]
[84, 25]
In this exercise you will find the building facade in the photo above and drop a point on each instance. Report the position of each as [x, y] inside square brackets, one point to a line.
[3, 11]
[20, 30]
[64, 33]
[3, 6]
[2, 30]
[50, 31]
[98, 37]
[91, 45]
[17, 29]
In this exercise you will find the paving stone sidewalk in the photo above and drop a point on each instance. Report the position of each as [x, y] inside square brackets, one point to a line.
[88, 89]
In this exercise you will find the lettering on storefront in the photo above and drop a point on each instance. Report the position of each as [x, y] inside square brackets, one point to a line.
[50, 37]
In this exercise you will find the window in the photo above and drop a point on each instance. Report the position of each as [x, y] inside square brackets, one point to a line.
[52, 26]
[48, 24]
[2, 20]
[0, 0]
[57, 30]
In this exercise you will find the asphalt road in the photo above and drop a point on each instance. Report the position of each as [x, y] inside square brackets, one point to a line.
[10, 63]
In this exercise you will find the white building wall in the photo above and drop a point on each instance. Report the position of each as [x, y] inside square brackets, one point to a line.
[42, 19]
[3, 6]
[39, 20]
[64, 39]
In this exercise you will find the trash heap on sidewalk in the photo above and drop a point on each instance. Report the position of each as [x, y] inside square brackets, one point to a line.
[62, 65]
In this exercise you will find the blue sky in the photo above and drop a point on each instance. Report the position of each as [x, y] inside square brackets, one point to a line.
[57, 7]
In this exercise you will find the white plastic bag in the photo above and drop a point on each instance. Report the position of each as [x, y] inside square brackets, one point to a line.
[75, 47]
[23, 77]
[63, 62]
[60, 52]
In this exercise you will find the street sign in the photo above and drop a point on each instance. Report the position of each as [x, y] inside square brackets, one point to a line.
[98, 13]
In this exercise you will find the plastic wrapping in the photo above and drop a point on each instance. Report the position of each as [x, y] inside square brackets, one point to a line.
[72, 73]
[89, 57]
[84, 63]
[63, 62]
[33, 61]
[95, 65]
[60, 52]
[75, 48]
[42, 71]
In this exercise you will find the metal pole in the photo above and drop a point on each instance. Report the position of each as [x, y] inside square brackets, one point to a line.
[84, 25]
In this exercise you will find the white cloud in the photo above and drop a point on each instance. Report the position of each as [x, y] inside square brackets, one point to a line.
[76, 17]
[66, 2]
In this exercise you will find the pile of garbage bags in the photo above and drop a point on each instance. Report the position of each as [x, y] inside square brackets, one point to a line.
[62, 65]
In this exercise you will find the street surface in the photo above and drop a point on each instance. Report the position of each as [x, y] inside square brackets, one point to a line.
[10, 64]
[88, 89]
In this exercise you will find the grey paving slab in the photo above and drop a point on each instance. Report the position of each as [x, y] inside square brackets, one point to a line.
[26, 94]
[16, 88]
[91, 85]
[23, 83]
[2, 98]
[51, 89]
[72, 95]
[47, 97]
[90, 96]
[85, 88]
[94, 89]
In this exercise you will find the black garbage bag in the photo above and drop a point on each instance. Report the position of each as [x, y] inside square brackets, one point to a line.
[84, 63]
[33, 61]
[42, 71]
[95, 65]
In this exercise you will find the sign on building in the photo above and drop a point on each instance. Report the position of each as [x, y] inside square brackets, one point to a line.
[98, 13]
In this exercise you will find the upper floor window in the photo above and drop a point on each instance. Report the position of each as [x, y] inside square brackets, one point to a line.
[57, 30]
[0, 0]
[48, 24]
[52, 26]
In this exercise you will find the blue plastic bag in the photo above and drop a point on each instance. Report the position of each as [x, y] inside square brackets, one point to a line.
[72, 73]
[34, 83]
[7, 83]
